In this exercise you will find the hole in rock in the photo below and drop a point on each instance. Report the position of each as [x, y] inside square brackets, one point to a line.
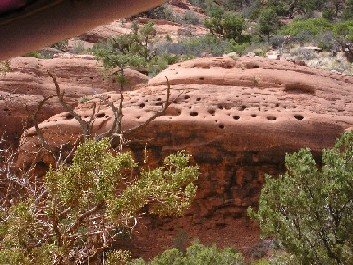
[100, 115]
[221, 126]
[159, 103]
[236, 117]
[299, 88]
[202, 78]
[187, 97]
[6, 109]
[172, 111]
[242, 108]
[211, 111]
[272, 118]
[194, 114]
[159, 99]
[69, 116]
[142, 105]
[253, 115]
[299, 117]
[198, 99]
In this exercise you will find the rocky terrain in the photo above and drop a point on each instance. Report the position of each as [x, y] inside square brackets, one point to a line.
[237, 117]
[24, 87]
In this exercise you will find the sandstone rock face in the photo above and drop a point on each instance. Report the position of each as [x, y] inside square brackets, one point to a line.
[102, 33]
[24, 87]
[163, 28]
[237, 118]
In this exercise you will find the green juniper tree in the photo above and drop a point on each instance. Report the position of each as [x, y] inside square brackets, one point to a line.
[77, 212]
[309, 209]
[227, 24]
[268, 22]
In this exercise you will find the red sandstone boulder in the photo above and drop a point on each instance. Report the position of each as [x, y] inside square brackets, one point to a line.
[24, 87]
[163, 28]
[237, 118]
[250, 105]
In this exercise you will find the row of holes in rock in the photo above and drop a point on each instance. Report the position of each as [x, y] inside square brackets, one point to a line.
[271, 118]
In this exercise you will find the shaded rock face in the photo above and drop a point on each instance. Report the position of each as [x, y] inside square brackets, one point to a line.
[237, 118]
[24, 87]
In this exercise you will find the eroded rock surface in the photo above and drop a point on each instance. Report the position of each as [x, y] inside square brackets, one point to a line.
[24, 87]
[163, 28]
[237, 118]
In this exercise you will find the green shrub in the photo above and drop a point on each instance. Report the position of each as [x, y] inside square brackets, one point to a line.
[311, 26]
[136, 50]
[227, 24]
[309, 209]
[78, 48]
[233, 25]
[268, 22]
[196, 254]
[161, 62]
[61, 45]
[80, 208]
[191, 18]
[277, 258]
[344, 31]
[160, 12]
[200, 46]
[348, 11]
[35, 54]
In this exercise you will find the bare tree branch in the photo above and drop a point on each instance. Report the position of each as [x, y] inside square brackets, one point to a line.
[36, 126]
[85, 125]
[157, 114]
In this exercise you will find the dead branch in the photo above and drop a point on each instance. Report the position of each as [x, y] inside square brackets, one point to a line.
[86, 126]
[157, 114]
[36, 126]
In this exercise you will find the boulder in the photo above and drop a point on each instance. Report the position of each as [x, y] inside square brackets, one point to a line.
[25, 85]
[238, 118]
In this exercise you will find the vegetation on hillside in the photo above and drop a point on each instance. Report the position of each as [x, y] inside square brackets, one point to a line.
[196, 254]
[79, 210]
